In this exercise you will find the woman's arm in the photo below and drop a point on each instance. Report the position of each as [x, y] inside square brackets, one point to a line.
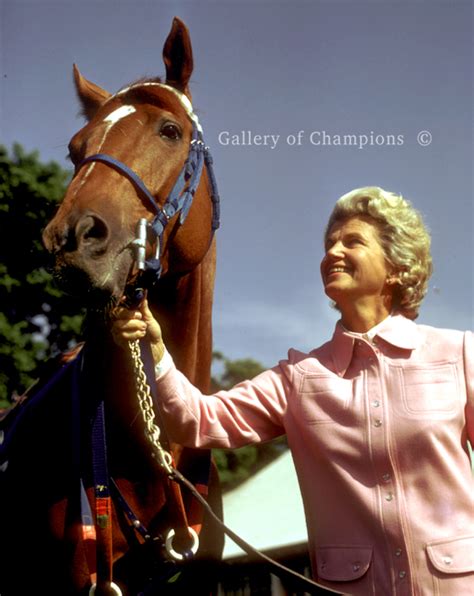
[250, 412]
[469, 374]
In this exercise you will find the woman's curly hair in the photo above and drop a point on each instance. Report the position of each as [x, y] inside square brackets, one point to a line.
[405, 240]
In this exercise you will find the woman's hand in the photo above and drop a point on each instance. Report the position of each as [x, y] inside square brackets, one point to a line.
[130, 325]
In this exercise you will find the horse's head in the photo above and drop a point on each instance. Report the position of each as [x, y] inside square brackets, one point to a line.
[146, 129]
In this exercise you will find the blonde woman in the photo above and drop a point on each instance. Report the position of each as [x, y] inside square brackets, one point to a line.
[377, 418]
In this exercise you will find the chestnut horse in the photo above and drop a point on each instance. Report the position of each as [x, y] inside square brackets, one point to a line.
[128, 159]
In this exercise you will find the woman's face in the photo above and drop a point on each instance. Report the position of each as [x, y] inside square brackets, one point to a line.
[354, 266]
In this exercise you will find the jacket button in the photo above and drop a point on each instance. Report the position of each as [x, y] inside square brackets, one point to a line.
[378, 423]
[398, 552]
[376, 403]
[447, 560]
[386, 477]
[389, 497]
[402, 574]
[355, 567]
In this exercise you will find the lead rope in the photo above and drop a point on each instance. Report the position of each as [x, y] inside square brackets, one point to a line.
[145, 401]
[183, 532]
[165, 461]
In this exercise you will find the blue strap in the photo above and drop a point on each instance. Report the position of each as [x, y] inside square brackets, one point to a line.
[99, 452]
[159, 223]
[177, 197]
[135, 523]
[133, 177]
[84, 505]
[171, 206]
[216, 215]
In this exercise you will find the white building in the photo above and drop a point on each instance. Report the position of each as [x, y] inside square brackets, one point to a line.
[267, 512]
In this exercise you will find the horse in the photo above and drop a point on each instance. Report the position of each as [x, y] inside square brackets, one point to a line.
[140, 164]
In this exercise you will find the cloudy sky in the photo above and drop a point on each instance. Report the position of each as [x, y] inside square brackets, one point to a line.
[397, 74]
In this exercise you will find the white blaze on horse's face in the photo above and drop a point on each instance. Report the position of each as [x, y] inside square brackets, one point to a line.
[110, 121]
[119, 113]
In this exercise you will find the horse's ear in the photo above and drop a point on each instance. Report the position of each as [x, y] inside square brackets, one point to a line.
[178, 56]
[90, 95]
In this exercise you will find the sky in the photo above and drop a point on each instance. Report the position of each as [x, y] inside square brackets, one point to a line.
[397, 74]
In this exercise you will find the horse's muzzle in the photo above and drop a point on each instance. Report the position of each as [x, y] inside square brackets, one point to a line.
[88, 234]
[89, 260]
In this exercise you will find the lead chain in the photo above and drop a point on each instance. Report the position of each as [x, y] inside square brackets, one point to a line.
[145, 400]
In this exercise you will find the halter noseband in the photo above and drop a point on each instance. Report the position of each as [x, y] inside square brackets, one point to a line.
[180, 198]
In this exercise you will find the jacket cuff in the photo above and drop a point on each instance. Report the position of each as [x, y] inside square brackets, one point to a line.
[164, 365]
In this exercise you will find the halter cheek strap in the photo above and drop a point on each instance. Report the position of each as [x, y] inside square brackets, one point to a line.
[182, 194]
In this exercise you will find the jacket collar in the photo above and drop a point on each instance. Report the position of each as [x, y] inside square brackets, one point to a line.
[396, 330]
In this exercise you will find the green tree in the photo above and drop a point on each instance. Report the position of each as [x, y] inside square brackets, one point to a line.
[36, 319]
[236, 465]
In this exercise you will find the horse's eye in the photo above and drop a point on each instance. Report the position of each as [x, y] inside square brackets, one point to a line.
[170, 131]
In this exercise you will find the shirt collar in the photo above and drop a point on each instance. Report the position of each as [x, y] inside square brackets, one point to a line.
[396, 330]
[368, 335]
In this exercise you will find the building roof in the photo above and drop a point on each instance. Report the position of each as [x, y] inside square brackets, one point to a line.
[266, 510]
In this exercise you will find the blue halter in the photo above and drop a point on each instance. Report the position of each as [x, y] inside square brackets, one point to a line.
[178, 201]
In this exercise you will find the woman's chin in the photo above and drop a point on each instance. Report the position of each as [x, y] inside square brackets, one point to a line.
[335, 291]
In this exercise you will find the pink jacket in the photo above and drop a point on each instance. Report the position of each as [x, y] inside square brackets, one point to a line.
[378, 432]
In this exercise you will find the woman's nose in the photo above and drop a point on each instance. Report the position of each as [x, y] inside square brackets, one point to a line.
[336, 249]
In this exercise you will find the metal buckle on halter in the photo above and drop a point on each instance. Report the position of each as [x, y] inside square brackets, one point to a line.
[113, 587]
[175, 554]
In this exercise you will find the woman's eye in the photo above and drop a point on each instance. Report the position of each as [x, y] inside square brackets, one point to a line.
[170, 131]
[354, 241]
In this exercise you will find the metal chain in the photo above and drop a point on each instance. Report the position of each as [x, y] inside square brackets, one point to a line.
[145, 400]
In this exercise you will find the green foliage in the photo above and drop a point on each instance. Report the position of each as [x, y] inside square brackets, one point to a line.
[235, 371]
[236, 465]
[36, 319]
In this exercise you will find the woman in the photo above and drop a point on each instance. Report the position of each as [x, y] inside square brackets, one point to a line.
[377, 418]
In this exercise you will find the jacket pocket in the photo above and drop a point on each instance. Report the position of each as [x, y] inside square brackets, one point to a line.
[431, 392]
[324, 399]
[455, 555]
[343, 563]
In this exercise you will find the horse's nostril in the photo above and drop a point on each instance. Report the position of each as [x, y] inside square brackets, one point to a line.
[91, 230]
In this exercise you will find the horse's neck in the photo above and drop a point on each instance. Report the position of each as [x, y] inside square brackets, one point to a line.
[184, 308]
